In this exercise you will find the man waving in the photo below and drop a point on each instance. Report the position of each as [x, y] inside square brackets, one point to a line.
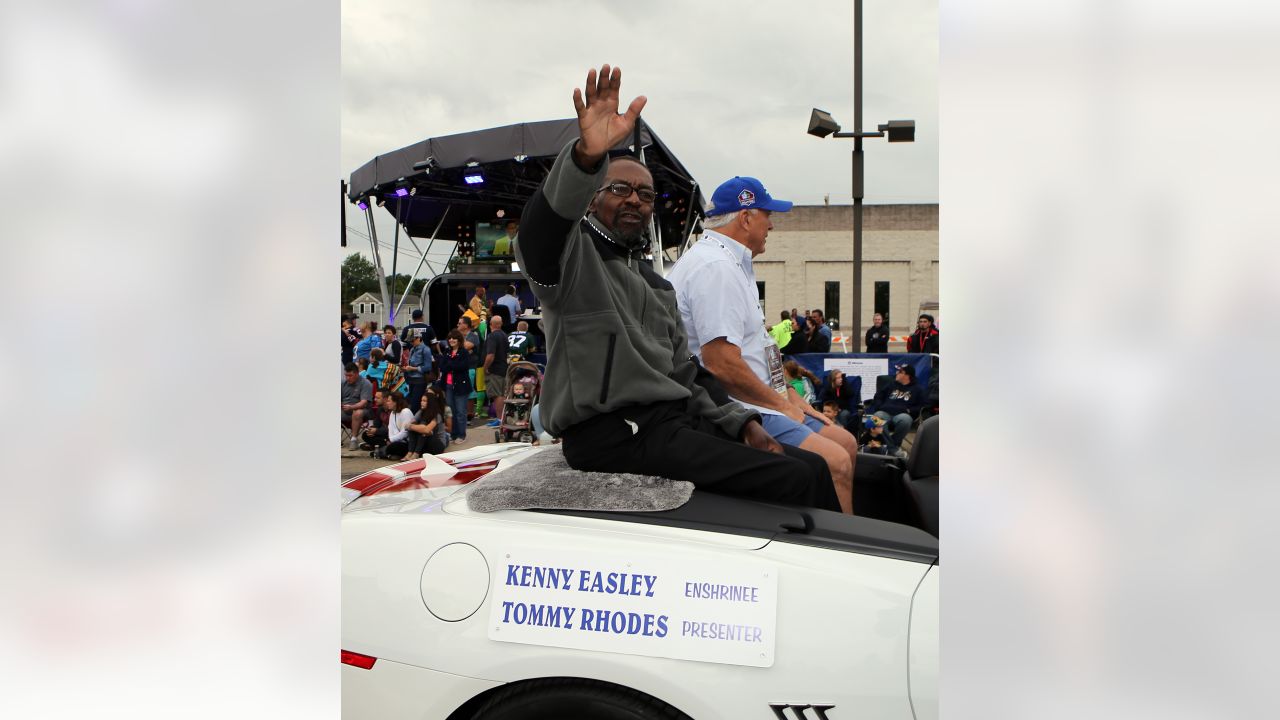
[620, 386]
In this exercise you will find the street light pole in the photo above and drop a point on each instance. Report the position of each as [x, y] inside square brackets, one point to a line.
[855, 323]
[821, 124]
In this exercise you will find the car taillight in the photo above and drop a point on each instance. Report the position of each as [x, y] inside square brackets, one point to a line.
[363, 662]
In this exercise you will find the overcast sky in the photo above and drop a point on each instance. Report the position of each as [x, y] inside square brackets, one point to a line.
[730, 84]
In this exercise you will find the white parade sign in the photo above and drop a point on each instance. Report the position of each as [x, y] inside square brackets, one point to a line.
[725, 613]
[865, 368]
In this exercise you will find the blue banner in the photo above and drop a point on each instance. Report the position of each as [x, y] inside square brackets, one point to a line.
[813, 362]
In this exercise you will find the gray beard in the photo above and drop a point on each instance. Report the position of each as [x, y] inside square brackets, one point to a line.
[631, 241]
[634, 240]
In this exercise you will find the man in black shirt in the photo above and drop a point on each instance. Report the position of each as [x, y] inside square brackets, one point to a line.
[417, 327]
[925, 338]
[877, 337]
[898, 404]
[495, 365]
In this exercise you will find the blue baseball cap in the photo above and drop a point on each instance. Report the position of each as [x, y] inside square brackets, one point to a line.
[744, 193]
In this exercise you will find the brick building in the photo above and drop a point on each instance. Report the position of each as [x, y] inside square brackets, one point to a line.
[808, 263]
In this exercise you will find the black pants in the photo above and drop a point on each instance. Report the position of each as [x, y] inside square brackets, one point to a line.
[425, 444]
[377, 437]
[668, 442]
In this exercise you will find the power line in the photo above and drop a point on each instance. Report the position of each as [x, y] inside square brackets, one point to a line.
[406, 251]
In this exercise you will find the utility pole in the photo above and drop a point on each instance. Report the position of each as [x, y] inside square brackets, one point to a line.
[821, 124]
[855, 324]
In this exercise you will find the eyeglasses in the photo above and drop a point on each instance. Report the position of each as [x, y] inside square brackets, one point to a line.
[623, 190]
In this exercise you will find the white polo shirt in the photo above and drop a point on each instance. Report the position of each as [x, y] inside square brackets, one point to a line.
[716, 290]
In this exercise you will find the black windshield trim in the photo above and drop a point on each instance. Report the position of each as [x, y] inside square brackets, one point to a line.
[830, 530]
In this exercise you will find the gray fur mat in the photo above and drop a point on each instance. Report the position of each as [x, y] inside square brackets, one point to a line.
[546, 481]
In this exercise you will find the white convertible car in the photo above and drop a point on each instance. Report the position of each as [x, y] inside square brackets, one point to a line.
[721, 608]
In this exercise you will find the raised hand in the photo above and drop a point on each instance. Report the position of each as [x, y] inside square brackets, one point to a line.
[600, 126]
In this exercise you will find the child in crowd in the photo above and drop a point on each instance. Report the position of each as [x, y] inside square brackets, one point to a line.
[802, 380]
[872, 439]
[832, 411]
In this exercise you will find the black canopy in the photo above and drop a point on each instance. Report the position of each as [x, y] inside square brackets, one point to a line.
[514, 160]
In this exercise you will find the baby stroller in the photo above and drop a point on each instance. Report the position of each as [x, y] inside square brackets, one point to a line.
[524, 386]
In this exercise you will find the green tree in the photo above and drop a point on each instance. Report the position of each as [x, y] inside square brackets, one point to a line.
[397, 283]
[358, 276]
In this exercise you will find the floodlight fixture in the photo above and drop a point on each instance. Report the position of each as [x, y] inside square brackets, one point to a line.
[473, 175]
[821, 124]
[425, 166]
[363, 203]
[899, 130]
[402, 192]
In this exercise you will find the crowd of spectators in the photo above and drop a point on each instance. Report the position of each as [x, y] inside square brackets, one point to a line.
[882, 422]
[808, 332]
[408, 394]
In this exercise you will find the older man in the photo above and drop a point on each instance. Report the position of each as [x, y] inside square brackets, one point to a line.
[495, 365]
[716, 291]
[620, 385]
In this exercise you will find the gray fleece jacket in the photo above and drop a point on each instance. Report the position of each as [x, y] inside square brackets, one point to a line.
[614, 336]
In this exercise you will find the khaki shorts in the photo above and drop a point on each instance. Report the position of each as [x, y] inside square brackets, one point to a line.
[495, 385]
